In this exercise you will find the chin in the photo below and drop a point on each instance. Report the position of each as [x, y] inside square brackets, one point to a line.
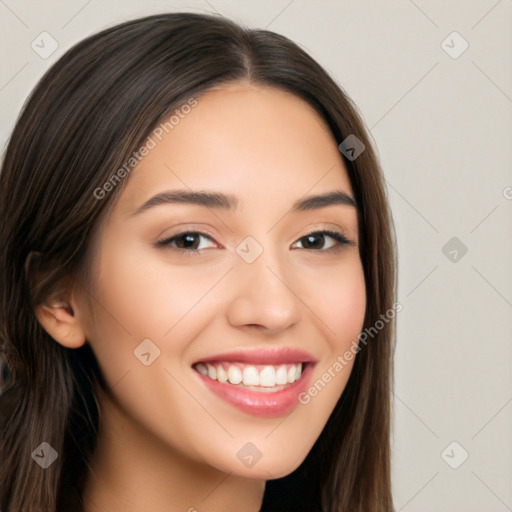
[268, 464]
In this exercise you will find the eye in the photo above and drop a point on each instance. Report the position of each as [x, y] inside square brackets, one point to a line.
[323, 241]
[186, 241]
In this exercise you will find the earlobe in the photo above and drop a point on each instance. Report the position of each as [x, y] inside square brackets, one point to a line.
[61, 323]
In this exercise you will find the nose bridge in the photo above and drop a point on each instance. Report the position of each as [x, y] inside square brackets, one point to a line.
[260, 292]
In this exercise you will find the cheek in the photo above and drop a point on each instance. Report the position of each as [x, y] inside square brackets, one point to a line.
[339, 307]
[338, 299]
[136, 300]
[149, 294]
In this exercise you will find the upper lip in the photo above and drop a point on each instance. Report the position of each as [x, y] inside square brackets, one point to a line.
[266, 355]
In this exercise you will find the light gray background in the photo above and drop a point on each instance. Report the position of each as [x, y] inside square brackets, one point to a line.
[443, 129]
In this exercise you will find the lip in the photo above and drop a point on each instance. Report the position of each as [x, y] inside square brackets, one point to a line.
[267, 355]
[263, 404]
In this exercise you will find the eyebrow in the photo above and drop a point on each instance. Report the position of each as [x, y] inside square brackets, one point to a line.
[322, 200]
[218, 200]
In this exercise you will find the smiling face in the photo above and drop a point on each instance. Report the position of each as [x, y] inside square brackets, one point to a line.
[233, 249]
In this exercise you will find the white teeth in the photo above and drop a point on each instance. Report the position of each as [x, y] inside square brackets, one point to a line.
[238, 373]
[281, 376]
[201, 368]
[212, 372]
[234, 375]
[251, 377]
[222, 376]
[268, 377]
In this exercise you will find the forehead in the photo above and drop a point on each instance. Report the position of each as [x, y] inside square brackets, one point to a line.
[257, 142]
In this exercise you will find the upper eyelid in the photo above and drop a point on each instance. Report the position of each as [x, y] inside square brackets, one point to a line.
[334, 234]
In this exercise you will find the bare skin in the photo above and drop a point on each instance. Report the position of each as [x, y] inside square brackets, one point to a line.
[167, 443]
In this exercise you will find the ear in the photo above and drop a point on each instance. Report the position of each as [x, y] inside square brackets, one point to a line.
[60, 321]
[58, 314]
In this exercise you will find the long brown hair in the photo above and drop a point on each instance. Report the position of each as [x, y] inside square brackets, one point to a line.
[89, 112]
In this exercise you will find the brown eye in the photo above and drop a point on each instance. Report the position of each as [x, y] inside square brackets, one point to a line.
[185, 241]
[188, 241]
[323, 240]
[314, 241]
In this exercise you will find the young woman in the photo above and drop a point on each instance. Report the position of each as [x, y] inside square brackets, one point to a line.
[197, 281]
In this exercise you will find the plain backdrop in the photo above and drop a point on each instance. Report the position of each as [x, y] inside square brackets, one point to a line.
[433, 81]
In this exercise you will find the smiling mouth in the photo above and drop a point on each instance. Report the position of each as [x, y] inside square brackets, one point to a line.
[255, 377]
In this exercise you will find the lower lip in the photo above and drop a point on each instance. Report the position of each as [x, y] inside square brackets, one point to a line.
[271, 404]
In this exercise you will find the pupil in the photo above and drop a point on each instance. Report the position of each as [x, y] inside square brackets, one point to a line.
[189, 241]
[311, 240]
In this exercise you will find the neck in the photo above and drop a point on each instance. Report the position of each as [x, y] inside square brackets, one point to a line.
[132, 471]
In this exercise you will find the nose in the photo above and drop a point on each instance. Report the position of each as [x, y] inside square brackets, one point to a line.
[262, 297]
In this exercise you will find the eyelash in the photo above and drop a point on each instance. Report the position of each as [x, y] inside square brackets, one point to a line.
[341, 240]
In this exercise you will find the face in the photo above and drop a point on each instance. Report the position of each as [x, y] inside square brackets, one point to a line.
[225, 290]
